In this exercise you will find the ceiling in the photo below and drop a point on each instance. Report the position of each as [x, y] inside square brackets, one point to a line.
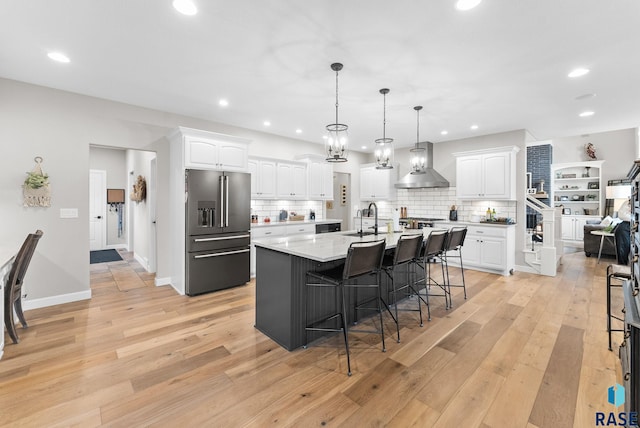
[501, 66]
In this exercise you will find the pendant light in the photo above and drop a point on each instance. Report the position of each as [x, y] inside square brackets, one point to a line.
[384, 145]
[337, 138]
[418, 154]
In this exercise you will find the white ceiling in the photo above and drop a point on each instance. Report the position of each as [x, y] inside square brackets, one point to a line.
[502, 66]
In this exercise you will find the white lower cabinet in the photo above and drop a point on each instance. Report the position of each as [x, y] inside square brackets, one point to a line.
[573, 228]
[489, 248]
[298, 229]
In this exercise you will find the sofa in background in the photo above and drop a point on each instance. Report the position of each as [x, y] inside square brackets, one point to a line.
[592, 242]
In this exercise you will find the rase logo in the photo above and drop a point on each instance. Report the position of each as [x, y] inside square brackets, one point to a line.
[616, 396]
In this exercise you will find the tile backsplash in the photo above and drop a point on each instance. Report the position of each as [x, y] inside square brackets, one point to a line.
[266, 208]
[437, 203]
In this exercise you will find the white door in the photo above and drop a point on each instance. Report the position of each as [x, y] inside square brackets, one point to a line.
[97, 209]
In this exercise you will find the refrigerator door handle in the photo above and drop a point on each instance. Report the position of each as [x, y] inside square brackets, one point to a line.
[226, 253]
[226, 203]
[222, 238]
[222, 201]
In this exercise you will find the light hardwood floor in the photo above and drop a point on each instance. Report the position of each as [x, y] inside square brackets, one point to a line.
[522, 351]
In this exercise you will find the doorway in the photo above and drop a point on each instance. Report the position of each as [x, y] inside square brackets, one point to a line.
[341, 207]
[129, 226]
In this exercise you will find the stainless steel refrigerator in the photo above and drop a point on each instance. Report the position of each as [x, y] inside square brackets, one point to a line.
[218, 227]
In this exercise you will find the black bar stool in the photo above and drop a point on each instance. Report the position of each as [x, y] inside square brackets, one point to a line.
[404, 255]
[432, 251]
[453, 249]
[620, 273]
[364, 260]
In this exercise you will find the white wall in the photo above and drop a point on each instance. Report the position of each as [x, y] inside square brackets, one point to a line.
[138, 164]
[616, 148]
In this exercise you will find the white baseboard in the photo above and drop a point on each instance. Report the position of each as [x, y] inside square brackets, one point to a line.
[143, 262]
[162, 281]
[55, 300]
[527, 269]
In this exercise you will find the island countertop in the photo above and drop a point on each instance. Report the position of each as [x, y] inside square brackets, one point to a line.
[329, 246]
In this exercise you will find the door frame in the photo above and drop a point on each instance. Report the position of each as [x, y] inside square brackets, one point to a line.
[152, 208]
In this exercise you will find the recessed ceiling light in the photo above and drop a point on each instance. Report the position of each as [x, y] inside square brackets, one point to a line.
[467, 4]
[578, 72]
[444, 132]
[584, 97]
[474, 127]
[298, 131]
[364, 147]
[586, 114]
[185, 7]
[58, 56]
[267, 123]
[223, 103]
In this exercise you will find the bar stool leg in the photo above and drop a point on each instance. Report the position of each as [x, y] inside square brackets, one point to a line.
[344, 329]
[384, 349]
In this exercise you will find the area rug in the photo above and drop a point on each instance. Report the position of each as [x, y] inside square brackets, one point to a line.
[103, 256]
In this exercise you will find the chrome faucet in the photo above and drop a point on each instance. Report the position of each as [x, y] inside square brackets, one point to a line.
[359, 214]
[375, 224]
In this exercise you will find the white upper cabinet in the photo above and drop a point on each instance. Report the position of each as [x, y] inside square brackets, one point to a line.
[209, 150]
[291, 180]
[263, 178]
[487, 174]
[377, 184]
[320, 174]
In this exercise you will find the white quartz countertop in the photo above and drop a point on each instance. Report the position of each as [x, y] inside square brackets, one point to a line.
[328, 246]
[283, 223]
[472, 223]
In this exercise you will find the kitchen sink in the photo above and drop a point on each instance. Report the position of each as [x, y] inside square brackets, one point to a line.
[359, 235]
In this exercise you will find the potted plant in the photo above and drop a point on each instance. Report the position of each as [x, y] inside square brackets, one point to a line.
[36, 180]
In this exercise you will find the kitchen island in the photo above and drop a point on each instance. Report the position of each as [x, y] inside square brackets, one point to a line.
[281, 267]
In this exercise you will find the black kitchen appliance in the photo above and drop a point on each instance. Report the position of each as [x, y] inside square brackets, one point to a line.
[217, 230]
[328, 227]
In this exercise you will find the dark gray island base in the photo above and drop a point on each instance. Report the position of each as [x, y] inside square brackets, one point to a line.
[281, 296]
[281, 293]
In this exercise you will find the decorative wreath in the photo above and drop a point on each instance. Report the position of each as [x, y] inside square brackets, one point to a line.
[139, 192]
[590, 150]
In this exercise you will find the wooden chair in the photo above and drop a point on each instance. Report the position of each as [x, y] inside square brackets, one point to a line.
[13, 288]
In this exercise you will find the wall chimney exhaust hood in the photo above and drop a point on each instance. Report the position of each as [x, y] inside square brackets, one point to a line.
[427, 177]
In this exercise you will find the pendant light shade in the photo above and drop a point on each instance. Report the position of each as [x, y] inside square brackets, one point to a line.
[418, 154]
[337, 138]
[384, 145]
